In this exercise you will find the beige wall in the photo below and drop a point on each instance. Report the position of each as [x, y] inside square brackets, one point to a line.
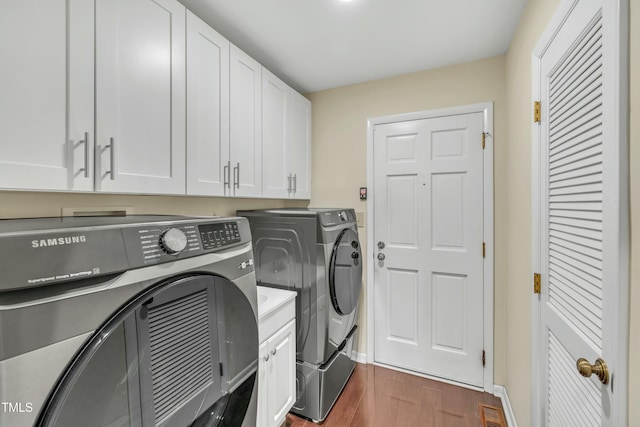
[340, 146]
[34, 204]
[534, 20]
[518, 72]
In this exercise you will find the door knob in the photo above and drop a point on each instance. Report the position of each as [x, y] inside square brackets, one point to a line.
[381, 256]
[380, 245]
[601, 370]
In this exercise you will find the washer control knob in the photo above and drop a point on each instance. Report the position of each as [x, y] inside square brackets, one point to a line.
[173, 241]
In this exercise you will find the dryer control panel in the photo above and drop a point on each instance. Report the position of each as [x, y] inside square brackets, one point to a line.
[336, 217]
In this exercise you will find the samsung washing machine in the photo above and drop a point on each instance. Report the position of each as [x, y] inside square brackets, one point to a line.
[317, 254]
[130, 321]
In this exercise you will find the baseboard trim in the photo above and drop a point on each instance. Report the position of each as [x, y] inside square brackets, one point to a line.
[359, 357]
[501, 392]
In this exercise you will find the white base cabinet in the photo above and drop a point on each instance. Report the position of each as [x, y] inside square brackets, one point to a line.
[277, 363]
[277, 376]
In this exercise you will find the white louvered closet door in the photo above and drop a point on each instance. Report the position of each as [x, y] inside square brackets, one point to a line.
[579, 221]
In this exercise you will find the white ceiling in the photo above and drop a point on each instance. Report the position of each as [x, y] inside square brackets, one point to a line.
[321, 44]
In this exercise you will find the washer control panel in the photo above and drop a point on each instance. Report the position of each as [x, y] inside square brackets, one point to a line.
[79, 248]
[158, 241]
[219, 234]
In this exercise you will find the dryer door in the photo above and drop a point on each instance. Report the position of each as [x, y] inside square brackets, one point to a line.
[345, 272]
[182, 353]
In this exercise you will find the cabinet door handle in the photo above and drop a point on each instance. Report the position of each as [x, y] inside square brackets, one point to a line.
[266, 358]
[86, 155]
[227, 175]
[295, 183]
[289, 184]
[273, 352]
[236, 181]
[112, 158]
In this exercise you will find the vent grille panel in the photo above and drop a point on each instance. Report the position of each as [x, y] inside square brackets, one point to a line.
[180, 348]
[573, 401]
[575, 189]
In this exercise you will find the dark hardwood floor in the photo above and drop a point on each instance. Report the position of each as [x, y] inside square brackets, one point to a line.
[379, 397]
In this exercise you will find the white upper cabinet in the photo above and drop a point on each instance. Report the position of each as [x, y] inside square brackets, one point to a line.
[140, 96]
[46, 95]
[299, 144]
[245, 110]
[208, 168]
[286, 140]
[275, 173]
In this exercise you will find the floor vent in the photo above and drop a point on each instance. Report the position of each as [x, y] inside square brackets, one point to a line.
[491, 416]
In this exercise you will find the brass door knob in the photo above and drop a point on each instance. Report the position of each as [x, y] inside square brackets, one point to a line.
[600, 368]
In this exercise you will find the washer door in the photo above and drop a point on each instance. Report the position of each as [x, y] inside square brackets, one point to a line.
[183, 353]
[345, 272]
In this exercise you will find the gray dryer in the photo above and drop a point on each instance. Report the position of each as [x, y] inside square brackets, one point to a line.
[317, 254]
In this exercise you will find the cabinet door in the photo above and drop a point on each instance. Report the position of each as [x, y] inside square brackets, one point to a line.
[275, 174]
[46, 94]
[263, 385]
[140, 90]
[299, 143]
[245, 124]
[282, 373]
[207, 109]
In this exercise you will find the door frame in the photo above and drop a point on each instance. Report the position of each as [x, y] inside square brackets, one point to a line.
[486, 109]
[615, 16]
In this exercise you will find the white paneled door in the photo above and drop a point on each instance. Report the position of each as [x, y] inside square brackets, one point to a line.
[428, 213]
[579, 238]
